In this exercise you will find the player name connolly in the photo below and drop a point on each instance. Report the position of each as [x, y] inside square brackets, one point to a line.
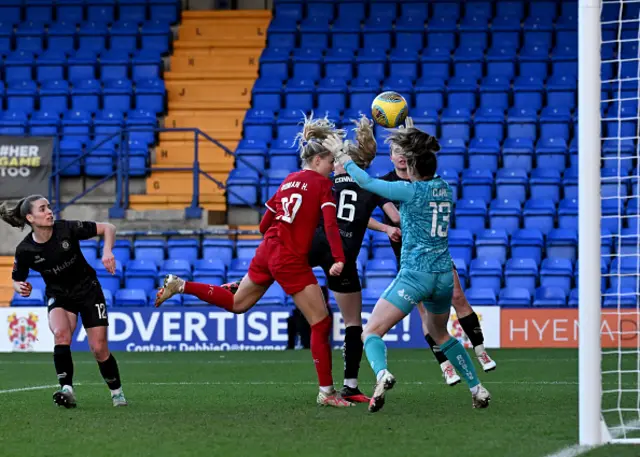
[343, 179]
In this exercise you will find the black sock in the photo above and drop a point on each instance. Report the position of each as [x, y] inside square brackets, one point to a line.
[110, 373]
[471, 326]
[64, 364]
[352, 351]
[440, 357]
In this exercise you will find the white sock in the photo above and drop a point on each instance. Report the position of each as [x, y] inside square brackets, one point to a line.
[353, 383]
[479, 349]
[116, 392]
[474, 390]
[444, 365]
[381, 374]
[327, 389]
[69, 388]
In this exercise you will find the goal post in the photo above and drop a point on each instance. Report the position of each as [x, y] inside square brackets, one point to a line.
[608, 215]
[589, 377]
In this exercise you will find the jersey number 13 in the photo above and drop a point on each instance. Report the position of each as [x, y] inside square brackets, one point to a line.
[441, 228]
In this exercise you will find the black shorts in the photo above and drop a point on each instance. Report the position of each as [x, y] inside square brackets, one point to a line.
[320, 256]
[91, 306]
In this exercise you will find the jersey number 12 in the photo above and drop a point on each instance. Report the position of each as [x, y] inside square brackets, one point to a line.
[442, 228]
[290, 207]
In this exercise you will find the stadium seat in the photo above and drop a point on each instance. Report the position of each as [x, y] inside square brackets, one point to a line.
[550, 297]
[478, 296]
[556, 272]
[141, 274]
[149, 249]
[36, 298]
[515, 297]
[131, 297]
[562, 244]
[492, 243]
[486, 273]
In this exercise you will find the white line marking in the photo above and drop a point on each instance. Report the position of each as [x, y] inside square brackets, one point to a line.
[26, 389]
[243, 362]
[270, 383]
[576, 450]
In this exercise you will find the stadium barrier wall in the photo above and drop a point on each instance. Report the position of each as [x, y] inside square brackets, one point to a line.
[207, 329]
[265, 328]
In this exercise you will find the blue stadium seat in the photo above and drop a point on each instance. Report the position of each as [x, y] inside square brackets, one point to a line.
[76, 125]
[515, 297]
[470, 214]
[183, 248]
[61, 35]
[562, 244]
[89, 250]
[10, 11]
[552, 152]
[556, 272]
[85, 95]
[167, 11]
[141, 273]
[149, 249]
[492, 243]
[521, 273]
[568, 213]
[477, 184]
[527, 243]
[505, 214]
[550, 297]
[545, 182]
[624, 273]
[117, 94]
[154, 35]
[574, 296]
[178, 267]
[44, 123]
[18, 66]
[132, 10]
[486, 273]
[518, 153]
[121, 250]
[455, 123]
[481, 296]
[108, 281]
[123, 35]
[243, 186]
[461, 244]
[512, 184]
[50, 65]
[37, 298]
[484, 153]
[539, 213]
[131, 297]
[209, 271]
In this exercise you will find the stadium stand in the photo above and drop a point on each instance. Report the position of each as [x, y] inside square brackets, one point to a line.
[495, 81]
[213, 68]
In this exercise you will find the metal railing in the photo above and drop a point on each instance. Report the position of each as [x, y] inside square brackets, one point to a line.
[121, 170]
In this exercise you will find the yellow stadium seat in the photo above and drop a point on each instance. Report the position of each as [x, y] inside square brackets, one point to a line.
[216, 63]
[210, 94]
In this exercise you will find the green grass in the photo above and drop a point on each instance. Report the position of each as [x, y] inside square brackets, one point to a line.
[263, 404]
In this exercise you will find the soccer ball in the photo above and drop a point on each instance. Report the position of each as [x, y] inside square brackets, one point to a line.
[389, 109]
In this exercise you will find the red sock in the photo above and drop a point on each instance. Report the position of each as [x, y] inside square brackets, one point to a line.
[321, 351]
[213, 295]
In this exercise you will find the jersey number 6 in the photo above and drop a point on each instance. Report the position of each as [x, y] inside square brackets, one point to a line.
[290, 207]
[348, 208]
[442, 226]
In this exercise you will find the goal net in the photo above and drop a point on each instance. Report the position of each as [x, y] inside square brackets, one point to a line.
[609, 256]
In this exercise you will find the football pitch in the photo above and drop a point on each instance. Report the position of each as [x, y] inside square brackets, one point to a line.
[254, 404]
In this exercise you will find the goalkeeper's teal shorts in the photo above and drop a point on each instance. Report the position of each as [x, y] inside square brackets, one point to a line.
[434, 290]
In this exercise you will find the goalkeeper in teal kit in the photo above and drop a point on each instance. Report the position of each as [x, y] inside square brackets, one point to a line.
[426, 268]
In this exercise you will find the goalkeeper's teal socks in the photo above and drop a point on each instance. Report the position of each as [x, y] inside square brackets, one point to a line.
[376, 352]
[458, 356]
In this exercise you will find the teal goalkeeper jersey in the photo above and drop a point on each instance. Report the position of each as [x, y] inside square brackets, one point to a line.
[424, 218]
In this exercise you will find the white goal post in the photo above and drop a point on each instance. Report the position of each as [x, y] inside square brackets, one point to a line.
[609, 366]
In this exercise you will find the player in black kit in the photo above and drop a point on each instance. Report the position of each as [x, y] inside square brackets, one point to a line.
[355, 206]
[53, 249]
[466, 316]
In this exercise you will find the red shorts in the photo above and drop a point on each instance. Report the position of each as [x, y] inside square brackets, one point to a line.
[274, 262]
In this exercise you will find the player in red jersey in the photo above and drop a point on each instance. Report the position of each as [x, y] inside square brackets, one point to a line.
[288, 226]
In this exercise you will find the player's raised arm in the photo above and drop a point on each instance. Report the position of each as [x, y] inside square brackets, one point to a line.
[330, 218]
[397, 191]
[268, 217]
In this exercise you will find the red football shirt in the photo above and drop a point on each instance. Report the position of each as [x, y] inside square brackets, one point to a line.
[297, 205]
